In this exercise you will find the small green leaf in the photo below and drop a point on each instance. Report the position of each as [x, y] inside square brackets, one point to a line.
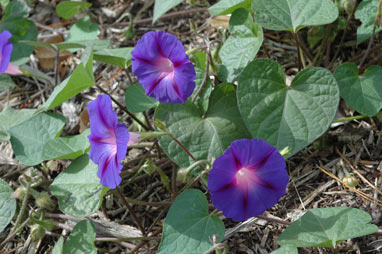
[224, 7]
[163, 6]
[67, 9]
[241, 47]
[202, 100]
[81, 240]
[59, 246]
[285, 250]
[81, 78]
[69, 147]
[207, 135]
[6, 82]
[29, 138]
[136, 99]
[83, 30]
[94, 44]
[10, 117]
[119, 56]
[15, 9]
[188, 227]
[364, 94]
[292, 15]
[7, 204]
[325, 227]
[21, 29]
[286, 115]
[366, 13]
[78, 188]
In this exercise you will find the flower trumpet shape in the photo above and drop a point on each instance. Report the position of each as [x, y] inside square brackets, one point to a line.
[163, 68]
[108, 141]
[247, 179]
[6, 48]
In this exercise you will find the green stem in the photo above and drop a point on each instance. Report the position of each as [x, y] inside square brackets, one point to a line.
[346, 119]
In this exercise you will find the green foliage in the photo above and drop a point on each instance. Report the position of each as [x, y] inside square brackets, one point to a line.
[69, 147]
[207, 135]
[59, 246]
[29, 138]
[366, 12]
[292, 15]
[10, 117]
[241, 47]
[224, 7]
[81, 78]
[81, 240]
[15, 9]
[136, 99]
[286, 250]
[67, 9]
[188, 228]
[120, 56]
[6, 82]
[163, 6]
[326, 227]
[202, 100]
[364, 93]
[286, 115]
[78, 188]
[7, 204]
[83, 30]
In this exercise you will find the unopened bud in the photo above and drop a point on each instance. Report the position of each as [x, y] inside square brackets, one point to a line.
[37, 232]
[43, 200]
[351, 181]
[19, 193]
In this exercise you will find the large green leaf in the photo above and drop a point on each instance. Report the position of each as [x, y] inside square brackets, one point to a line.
[15, 9]
[83, 30]
[10, 117]
[69, 147]
[81, 240]
[21, 29]
[163, 6]
[188, 227]
[207, 135]
[241, 47]
[285, 250]
[136, 99]
[293, 15]
[364, 93]
[7, 204]
[326, 227]
[81, 78]
[224, 7]
[6, 82]
[366, 13]
[118, 56]
[67, 9]
[78, 188]
[29, 138]
[59, 246]
[286, 115]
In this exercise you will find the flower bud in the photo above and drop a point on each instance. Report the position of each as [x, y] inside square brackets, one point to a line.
[19, 193]
[37, 232]
[351, 180]
[43, 200]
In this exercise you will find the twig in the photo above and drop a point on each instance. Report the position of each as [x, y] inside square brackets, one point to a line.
[56, 67]
[137, 221]
[298, 51]
[12, 234]
[372, 34]
[346, 119]
[278, 221]
[124, 109]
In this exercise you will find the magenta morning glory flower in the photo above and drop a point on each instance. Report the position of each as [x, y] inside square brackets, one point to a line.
[6, 48]
[108, 140]
[163, 68]
[247, 179]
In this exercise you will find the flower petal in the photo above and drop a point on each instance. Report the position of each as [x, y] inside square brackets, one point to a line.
[102, 117]
[13, 69]
[122, 136]
[146, 48]
[6, 48]
[109, 170]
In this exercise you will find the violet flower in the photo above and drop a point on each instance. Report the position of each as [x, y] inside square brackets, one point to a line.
[108, 140]
[247, 179]
[163, 68]
[6, 48]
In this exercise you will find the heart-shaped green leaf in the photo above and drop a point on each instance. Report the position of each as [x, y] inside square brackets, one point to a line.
[81, 240]
[286, 115]
[285, 250]
[136, 99]
[67, 9]
[241, 47]
[224, 7]
[78, 188]
[29, 138]
[366, 13]
[207, 135]
[163, 6]
[292, 15]
[7, 204]
[364, 94]
[326, 227]
[10, 117]
[188, 227]
[119, 56]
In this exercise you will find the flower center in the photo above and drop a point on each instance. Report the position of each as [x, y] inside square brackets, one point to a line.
[245, 177]
[165, 65]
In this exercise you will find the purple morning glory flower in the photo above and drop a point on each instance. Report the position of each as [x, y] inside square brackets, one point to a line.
[163, 68]
[6, 48]
[108, 140]
[247, 179]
